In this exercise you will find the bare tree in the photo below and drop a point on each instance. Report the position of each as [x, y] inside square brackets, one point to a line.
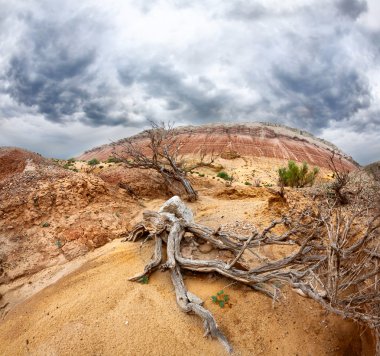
[335, 261]
[163, 154]
[341, 179]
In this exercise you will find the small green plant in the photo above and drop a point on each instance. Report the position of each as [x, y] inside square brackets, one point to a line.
[143, 280]
[297, 176]
[112, 159]
[201, 174]
[71, 160]
[224, 176]
[247, 183]
[45, 224]
[58, 243]
[220, 298]
[93, 162]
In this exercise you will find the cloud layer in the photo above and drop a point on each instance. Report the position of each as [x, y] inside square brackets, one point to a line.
[72, 73]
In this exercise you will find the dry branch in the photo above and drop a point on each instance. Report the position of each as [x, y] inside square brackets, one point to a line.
[162, 153]
[333, 263]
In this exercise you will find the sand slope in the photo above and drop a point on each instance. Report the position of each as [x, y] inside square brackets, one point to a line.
[96, 311]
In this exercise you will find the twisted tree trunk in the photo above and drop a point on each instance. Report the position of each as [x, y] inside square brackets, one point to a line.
[302, 269]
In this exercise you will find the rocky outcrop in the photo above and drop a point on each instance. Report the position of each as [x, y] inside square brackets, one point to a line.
[253, 139]
[49, 215]
[14, 160]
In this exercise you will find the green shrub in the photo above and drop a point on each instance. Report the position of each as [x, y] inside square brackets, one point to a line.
[113, 159]
[224, 176]
[247, 183]
[45, 224]
[297, 176]
[93, 162]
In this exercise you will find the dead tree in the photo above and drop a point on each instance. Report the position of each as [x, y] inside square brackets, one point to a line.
[333, 262]
[162, 154]
[341, 179]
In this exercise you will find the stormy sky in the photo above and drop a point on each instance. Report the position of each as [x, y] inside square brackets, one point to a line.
[77, 74]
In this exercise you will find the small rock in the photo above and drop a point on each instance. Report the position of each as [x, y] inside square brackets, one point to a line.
[205, 248]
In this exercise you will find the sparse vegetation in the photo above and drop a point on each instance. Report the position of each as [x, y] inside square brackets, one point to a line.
[297, 176]
[224, 175]
[143, 280]
[220, 298]
[321, 249]
[113, 159]
[93, 162]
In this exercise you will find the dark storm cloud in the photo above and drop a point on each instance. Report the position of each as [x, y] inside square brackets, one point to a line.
[100, 112]
[312, 64]
[197, 101]
[55, 73]
[352, 8]
[48, 72]
[315, 96]
[46, 88]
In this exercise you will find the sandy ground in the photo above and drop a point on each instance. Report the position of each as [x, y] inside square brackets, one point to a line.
[95, 310]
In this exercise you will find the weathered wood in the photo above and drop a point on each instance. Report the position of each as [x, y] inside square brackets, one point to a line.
[323, 266]
[210, 325]
[153, 264]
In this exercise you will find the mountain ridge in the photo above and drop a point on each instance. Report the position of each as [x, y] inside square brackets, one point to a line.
[246, 139]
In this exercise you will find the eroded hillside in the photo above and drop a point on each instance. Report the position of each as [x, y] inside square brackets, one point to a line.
[71, 296]
[246, 140]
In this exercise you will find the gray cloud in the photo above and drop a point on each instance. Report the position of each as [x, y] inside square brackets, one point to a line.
[242, 10]
[317, 95]
[49, 70]
[116, 66]
[352, 8]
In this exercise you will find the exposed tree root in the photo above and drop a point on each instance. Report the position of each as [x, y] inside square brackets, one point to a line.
[322, 266]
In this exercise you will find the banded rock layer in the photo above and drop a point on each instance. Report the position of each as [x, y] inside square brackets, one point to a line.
[249, 140]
